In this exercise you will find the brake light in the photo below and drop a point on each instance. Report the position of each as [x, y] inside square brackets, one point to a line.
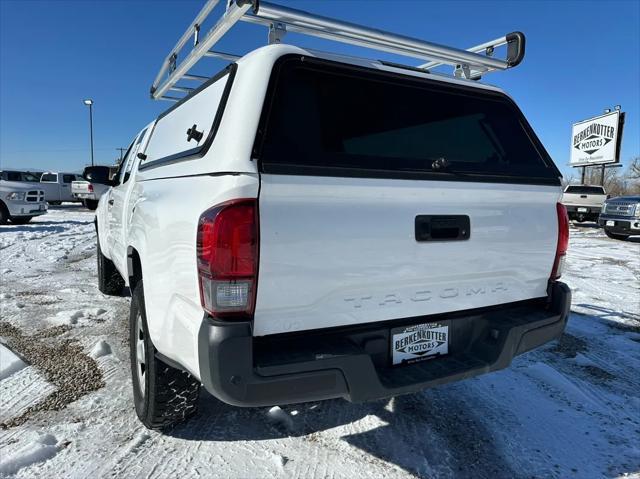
[563, 242]
[90, 187]
[227, 256]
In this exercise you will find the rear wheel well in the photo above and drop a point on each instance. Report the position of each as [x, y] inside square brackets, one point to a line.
[134, 267]
[4, 213]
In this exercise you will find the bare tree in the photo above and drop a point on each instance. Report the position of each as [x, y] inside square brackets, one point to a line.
[617, 182]
[634, 168]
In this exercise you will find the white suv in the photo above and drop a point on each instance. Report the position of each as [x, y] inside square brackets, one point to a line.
[306, 226]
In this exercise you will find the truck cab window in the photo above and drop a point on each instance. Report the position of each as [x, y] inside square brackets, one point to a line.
[49, 178]
[119, 176]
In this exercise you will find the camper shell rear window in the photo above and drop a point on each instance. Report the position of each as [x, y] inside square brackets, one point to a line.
[585, 190]
[330, 119]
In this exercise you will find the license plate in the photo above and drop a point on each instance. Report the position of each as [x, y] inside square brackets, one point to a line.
[419, 342]
[582, 210]
[611, 223]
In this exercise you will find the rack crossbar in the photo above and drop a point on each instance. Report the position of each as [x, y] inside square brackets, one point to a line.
[279, 20]
[302, 22]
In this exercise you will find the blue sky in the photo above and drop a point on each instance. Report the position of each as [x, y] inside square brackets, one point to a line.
[581, 57]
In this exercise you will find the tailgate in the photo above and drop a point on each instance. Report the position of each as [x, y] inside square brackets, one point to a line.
[386, 196]
[575, 199]
[78, 187]
[336, 251]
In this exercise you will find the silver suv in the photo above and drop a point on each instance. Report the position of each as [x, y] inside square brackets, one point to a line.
[620, 217]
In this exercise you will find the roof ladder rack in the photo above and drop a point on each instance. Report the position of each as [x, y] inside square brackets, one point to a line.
[279, 20]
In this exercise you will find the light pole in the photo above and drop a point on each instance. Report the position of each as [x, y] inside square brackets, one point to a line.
[89, 103]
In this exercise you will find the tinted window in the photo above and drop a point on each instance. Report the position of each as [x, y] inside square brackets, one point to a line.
[585, 190]
[14, 176]
[33, 177]
[132, 160]
[49, 178]
[330, 117]
[68, 178]
[123, 164]
[170, 142]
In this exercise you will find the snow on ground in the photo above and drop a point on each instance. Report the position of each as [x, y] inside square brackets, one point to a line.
[570, 409]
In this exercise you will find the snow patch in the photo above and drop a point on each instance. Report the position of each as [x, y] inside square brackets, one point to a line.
[39, 450]
[279, 460]
[101, 348]
[9, 362]
[558, 381]
[582, 360]
[77, 316]
[66, 317]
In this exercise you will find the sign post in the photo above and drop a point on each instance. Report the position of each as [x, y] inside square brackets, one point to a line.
[596, 142]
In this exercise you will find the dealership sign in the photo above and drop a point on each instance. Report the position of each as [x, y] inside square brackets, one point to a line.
[596, 141]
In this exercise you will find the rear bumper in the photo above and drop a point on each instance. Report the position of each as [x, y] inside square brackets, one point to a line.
[246, 371]
[622, 225]
[584, 209]
[85, 196]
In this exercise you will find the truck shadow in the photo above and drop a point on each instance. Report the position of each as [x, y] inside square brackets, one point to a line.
[67, 206]
[428, 434]
[31, 228]
[585, 225]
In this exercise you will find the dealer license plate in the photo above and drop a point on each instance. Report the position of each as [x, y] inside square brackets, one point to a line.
[419, 342]
[582, 210]
[611, 223]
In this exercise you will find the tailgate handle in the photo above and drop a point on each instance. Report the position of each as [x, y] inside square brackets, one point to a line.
[583, 196]
[442, 228]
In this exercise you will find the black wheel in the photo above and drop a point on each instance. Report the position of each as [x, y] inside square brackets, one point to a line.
[90, 204]
[21, 220]
[615, 236]
[4, 214]
[109, 280]
[163, 395]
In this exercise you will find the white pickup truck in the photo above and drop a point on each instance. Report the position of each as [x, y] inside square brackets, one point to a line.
[57, 186]
[95, 181]
[308, 226]
[584, 202]
[20, 202]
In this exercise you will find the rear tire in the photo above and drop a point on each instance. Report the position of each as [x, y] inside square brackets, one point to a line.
[163, 395]
[90, 204]
[109, 280]
[4, 214]
[21, 220]
[615, 236]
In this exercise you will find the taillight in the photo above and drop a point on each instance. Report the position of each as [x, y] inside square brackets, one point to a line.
[563, 242]
[227, 254]
[90, 188]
